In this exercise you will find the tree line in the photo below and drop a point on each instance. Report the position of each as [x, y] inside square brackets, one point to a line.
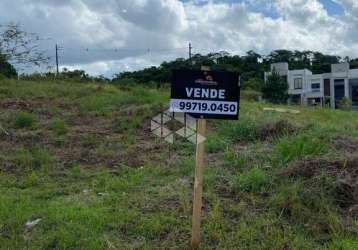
[250, 66]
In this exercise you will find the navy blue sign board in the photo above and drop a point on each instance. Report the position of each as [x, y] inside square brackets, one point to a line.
[206, 94]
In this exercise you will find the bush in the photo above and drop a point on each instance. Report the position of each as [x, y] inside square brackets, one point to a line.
[345, 104]
[254, 84]
[276, 89]
[25, 120]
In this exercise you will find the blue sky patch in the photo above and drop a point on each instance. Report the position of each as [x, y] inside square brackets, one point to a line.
[333, 8]
[264, 7]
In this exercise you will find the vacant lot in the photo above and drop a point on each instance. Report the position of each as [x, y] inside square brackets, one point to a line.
[79, 165]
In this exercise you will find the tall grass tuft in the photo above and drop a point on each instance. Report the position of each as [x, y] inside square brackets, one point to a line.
[24, 120]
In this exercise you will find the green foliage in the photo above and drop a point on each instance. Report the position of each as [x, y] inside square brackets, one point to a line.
[24, 120]
[254, 84]
[23, 158]
[255, 180]
[143, 193]
[33, 159]
[215, 143]
[6, 69]
[309, 206]
[109, 99]
[250, 95]
[276, 89]
[301, 146]
[243, 130]
[345, 103]
[131, 124]
[59, 126]
[250, 66]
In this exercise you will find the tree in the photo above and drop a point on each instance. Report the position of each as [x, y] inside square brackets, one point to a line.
[276, 89]
[19, 47]
[253, 84]
[6, 69]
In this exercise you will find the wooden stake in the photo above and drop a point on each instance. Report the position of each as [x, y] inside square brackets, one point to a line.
[198, 185]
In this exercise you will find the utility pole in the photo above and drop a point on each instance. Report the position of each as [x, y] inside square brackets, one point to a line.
[190, 48]
[57, 60]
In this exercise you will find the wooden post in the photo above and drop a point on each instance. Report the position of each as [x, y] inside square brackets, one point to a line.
[198, 185]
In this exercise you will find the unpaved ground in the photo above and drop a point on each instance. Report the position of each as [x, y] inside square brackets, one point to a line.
[91, 141]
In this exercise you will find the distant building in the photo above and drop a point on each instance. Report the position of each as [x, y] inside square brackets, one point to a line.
[324, 89]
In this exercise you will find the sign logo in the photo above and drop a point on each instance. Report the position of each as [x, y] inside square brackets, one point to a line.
[159, 127]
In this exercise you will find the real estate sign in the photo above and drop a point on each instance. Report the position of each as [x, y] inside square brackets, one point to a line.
[205, 94]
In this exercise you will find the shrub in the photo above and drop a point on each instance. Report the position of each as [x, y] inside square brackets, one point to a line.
[254, 84]
[276, 89]
[25, 120]
[345, 104]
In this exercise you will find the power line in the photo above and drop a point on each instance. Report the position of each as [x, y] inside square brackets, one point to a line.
[57, 71]
[123, 49]
[86, 53]
[190, 48]
[57, 62]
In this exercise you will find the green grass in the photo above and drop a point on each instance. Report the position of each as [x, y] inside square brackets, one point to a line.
[59, 127]
[24, 120]
[254, 180]
[301, 146]
[82, 159]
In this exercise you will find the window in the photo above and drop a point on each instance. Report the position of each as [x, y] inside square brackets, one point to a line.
[298, 83]
[316, 87]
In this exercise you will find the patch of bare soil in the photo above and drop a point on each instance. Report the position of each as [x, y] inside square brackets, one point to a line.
[346, 144]
[15, 104]
[90, 142]
[274, 130]
[146, 148]
[345, 172]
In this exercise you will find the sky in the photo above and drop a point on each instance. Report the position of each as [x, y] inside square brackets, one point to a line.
[112, 36]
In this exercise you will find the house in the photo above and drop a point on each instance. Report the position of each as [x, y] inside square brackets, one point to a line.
[321, 89]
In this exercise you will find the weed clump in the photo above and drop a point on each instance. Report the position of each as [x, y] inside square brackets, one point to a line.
[255, 180]
[248, 130]
[343, 171]
[33, 159]
[59, 127]
[301, 146]
[275, 130]
[24, 120]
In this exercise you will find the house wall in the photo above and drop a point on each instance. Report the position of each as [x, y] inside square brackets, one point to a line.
[315, 93]
[338, 72]
[304, 74]
[281, 68]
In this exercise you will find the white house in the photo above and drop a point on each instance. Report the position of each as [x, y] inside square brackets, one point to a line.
[323, 89]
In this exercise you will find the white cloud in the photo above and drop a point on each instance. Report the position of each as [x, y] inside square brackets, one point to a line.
[133, 26]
